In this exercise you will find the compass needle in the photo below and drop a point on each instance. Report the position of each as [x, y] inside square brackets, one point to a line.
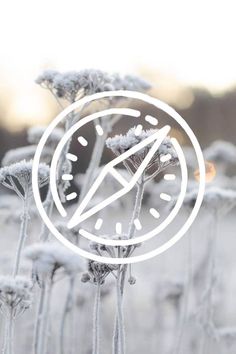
[79, 215]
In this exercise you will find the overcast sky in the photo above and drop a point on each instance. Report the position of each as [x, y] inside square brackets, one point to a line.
[192, 42]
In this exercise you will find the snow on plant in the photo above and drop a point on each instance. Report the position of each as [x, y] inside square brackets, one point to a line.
[18, 178]
[25, 153]
[15, 299]
[96, 274]
[34, 134]
[50, 261]
[223, 153]
[218, 202]
[119, 144]
[71, 86]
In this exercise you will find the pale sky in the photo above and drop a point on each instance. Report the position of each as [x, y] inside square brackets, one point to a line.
[192, 42]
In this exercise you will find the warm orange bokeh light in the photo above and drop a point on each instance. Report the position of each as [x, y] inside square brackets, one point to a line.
[210, 172]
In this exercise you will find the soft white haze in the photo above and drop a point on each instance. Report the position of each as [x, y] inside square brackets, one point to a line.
[192, 42]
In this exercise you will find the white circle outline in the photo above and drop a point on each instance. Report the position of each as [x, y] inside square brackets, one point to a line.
[167, 109]
[110, 242]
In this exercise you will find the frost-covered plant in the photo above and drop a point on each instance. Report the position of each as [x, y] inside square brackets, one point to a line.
[96, 274]
[119, 144]
[34, 134]
[218, 202]
[18, 177]
[222, 153]
[15, 299]
[72, 85]
[26, 153]
[49, 260]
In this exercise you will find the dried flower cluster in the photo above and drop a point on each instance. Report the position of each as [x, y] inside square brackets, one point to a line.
[15, 294]
[48, 258]
[18, 176]
[72, 85]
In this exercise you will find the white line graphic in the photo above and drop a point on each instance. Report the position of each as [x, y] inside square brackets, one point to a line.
[98, 224]
[137, 224]
[99, 129]
[67, 177]
[154, 213]
[165, 158]
[165, 197]
[71, 157]
[138, 130]
[169, 177]
[152, 120]
[71, 196]
[118, 228]
[82, 141]
[80, 215]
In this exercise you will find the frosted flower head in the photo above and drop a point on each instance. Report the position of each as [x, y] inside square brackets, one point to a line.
[26, 153]
[131, 83]
[121, 143]
[216, 199]
[34, 135]
[15, 294]
[48, 258]
[221, 152]
[18, 177]
[97, 272]
[47, 78]
[74, 84]
[71, 85]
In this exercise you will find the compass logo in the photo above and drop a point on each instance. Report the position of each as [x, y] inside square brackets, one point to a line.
[86, 213]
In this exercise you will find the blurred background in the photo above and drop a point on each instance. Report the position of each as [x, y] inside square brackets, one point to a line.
[184, 48]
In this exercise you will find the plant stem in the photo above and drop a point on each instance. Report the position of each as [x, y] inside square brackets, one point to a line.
[22, 235]
[11, 324]
[43, 317]
[8, 336]
[66, 310]
[120, 282]
[186, 296]
[208, 311]
[93, 164]
[48, 209]
[120, 316]
[38, 320]
[96, 319]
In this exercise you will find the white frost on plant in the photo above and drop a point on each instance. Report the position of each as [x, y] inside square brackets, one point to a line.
[121, 143]
[46, 79]
[18, 176]
[26, 153]
[34, 135]
[47, 258]
[221, 152]
[216, 199]
[74, 84]
[15, 294]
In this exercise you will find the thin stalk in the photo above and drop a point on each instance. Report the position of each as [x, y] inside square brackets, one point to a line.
[48, 209]
[66, 310]
[22, 235]
[208, 310]
[11, 332]
[38, 320]
[120, 316]
[43, 330]
[116, 336]
[123, 270]
[96, 320]
[93, 164]
[186, 296]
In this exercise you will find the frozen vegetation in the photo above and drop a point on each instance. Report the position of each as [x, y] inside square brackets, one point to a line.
[53, 301]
